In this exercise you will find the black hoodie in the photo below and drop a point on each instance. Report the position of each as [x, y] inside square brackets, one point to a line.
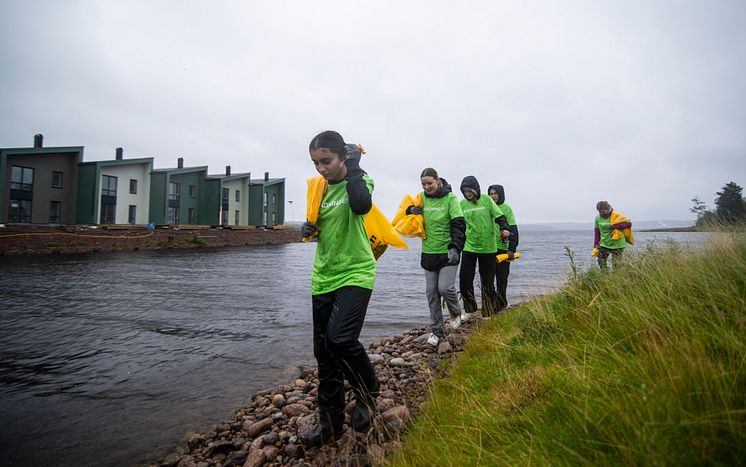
[471, 182]
[457, 226]
[513, 239]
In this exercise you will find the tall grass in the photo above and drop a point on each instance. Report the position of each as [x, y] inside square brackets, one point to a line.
[642, 365]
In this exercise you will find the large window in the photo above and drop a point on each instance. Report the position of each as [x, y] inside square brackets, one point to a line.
[132, 217]
[172, 215]
[174, 191]
[20, 211]
[108, 185]
[108, 213]
[56, 179]
[133, 186]
[55, 212]
[223, 217]
[21, 178]
[226, 194]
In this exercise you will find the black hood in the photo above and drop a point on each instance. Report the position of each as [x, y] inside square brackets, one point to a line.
[445, 189]
[500, 193]
[471, 182]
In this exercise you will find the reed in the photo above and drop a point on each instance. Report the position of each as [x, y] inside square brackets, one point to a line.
[642, 365]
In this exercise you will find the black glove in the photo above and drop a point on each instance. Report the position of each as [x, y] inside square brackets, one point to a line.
[511, 255]
[413, 209]
[352, 152]
[453, 256]
[308, 228]
[353, 169]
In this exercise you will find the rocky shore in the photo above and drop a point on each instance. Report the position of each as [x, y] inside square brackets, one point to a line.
[269, 431]
[75, 239]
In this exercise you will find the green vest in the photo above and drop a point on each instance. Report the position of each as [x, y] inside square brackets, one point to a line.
[343, 254]
[606, 241]
[508, 212]
[480, 224]
[437, 214]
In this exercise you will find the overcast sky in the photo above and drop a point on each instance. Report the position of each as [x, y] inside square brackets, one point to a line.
[642, 103]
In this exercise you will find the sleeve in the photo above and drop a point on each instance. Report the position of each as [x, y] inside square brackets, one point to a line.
[457, 227]
[596, 236]
[359, 188]
[513, 239]
[454, 207]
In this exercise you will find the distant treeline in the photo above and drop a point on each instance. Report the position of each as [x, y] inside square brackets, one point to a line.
[730, 208]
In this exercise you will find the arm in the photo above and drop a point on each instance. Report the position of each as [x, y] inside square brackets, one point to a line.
[502, 221]
[621, 225]
[596, 236]
[458, 233]
[357, 190]
[513, 239]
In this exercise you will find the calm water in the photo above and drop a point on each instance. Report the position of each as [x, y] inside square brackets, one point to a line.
[109, 359]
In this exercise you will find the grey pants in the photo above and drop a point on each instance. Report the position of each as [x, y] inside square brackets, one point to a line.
[604, 253]
[441, 283]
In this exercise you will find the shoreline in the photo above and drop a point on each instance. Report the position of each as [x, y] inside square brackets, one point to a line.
[269, 429]
[34, 240]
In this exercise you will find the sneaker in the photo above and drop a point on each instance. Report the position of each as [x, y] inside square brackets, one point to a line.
[455, 322]
[464, 317]
[433, 340]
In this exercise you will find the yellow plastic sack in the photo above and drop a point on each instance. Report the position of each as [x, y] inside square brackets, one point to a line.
[616, 218]
[504, 257]
[594, 252]
[409, 225]
[379, 230]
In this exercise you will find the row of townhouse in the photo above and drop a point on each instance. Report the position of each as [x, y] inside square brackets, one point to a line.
[52, 185]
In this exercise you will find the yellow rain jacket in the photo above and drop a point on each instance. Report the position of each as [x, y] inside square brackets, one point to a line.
[616, 218]
[380, 232]
[409, 225]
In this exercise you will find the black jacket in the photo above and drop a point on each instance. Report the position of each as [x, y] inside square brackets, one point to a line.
[457, 226]
[513, 239]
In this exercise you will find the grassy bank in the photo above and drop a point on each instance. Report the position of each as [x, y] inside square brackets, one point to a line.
[645, 365]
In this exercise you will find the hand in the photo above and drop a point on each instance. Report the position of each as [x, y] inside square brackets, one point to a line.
[453, 256]
[413, 209]
[308, 228]
[352, 151]
[511, 255]
[504, 233]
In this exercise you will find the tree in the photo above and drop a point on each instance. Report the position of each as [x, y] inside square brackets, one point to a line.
[699, 207]
[731, 207]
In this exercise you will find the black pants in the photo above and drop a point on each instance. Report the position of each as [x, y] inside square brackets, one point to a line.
[487, 279]
[502, 271]
[604, 253]
[337, 320]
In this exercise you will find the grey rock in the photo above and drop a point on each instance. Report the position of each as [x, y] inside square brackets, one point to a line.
[255, 459]
[375, 358]
[259, 427]
[398, 361]
[294, 410]
[444, 347]
[306, 425]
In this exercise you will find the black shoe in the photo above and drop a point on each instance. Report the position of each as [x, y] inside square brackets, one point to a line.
[362, 416]
[322, 435]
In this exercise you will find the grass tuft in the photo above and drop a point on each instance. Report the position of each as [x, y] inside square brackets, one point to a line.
[642, 365]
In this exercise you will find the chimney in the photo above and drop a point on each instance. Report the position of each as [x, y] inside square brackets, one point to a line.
[180, 163]
[266, 176]
[120, 154]
[227, 169]
[38, 140]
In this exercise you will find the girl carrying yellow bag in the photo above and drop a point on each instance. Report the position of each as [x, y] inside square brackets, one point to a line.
[409, 225]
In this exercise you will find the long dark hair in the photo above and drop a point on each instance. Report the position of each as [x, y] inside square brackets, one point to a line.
[330, 140]
[429, 172]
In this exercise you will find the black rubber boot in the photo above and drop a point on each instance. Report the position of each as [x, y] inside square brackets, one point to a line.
[329, 429]
[365, 408]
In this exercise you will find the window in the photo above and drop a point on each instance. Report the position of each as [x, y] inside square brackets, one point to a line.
[20, 211]
[274, 198]
[133, 186]
[21, 178]
[223, 217]
[174, 191]
[274, 218]
[56, 180]
[108, 185]
[226, 194]
[55, 210]
[238, 216]
[190, 213]
[172, 215]
[192, 191]
[132, 216]
[265, 200]
[238, 196]
[108, 213]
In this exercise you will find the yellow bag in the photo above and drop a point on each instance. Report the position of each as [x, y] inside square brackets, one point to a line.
[409, 225]
[594, 252]
[504, 257]
[379, 230]
[616, 218]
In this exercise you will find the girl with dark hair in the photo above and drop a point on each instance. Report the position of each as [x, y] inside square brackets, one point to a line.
[481, 215]
[341, 285]
[444, 239]
[502, 269]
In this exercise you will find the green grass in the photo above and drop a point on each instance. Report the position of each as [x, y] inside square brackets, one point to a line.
[644, 365]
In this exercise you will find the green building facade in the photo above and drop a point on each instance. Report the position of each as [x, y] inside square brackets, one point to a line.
[178, 196]
[267, 201]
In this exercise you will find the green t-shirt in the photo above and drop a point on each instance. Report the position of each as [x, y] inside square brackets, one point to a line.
[480, 224]
[606, 241]
[343, 253]
[508, 212]
[437, 214]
